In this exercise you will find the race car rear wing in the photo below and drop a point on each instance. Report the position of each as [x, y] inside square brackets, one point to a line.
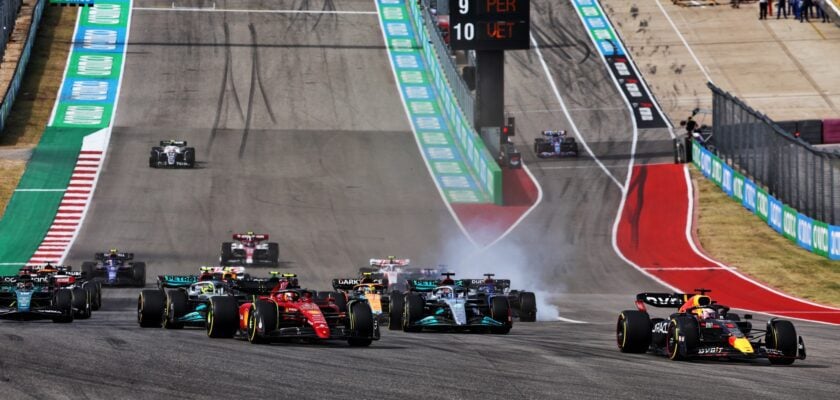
[381, 262]
[350, 283]
[173, 142]
[245, 236]
[257, 286]
[121, 256]
[501, 284]
[671, 300]
[176, 281]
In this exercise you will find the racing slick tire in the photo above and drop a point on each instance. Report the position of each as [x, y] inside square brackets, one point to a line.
[781, 336]
[176, 307]
[632, 333]
[500, 311]
[274, 254]
[412, 312]
[360, 321]
[138, 274]
[95, 291]
[63, 300]
[189, 157]
[81, 303]
[527, 307]
[222, 317]
[227, 253]
[261, 320]
[688, 328]
[150, 308]
[88, 270]
[395, 312]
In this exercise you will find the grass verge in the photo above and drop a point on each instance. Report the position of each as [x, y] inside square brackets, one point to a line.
[32, 108]
[737, 237]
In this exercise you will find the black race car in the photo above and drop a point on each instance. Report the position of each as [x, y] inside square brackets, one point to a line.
[523, 304]
[555, 144]
[172, 154]
[115, 269]
[702, 328]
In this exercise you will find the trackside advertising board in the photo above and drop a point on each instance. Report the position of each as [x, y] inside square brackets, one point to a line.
[815, 236]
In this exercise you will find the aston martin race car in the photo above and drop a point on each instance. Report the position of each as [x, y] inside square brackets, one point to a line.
[172, 154]
[87, 294]
[523, 304]
[186, 300]
[702, 328]
[250, 249]
[555, 144]
[115, 268]
[292, 313]
[25, 297]
[445, 305]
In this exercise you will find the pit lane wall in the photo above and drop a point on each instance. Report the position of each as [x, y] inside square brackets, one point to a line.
[815, 236]
[463, 168]
[20, 69]
[48, 207]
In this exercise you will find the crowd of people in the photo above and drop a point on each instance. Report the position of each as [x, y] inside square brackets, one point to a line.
[802, 10]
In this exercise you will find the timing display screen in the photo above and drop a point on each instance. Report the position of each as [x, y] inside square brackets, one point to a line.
[489, 24]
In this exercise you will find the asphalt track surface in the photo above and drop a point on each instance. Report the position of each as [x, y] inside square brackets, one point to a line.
[329, 168]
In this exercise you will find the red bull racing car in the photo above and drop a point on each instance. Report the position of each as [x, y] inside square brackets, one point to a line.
[702, 328]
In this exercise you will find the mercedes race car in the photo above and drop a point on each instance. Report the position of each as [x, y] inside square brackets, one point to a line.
[446, 305]
[172, 154]
[250, 249]
[523, 304]
[702, 328]
[190, 297]
[115, 269]
[25, 297]
[555, 144]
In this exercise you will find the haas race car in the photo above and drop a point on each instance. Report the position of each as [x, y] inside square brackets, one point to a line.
[555, 144]
[702, 328]
[115, 269]
[523, 304]
[250, 249]
[172, 154]
[445, 305]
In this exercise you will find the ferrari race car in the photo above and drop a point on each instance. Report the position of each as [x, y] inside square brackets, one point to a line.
[250, 249]
[172, 154]
[446, 305]
[555, 144]
[190, 297]
[115, 269]
[25, 297]
[523, 304]
[702, 328]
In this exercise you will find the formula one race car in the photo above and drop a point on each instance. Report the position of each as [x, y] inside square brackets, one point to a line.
[702, 328]
[87, 294]
[25, 297]
[250, 249]
[445, 305]
[523, 304]
[115, 269]
[372, 290]
[390, 271]
[172, 154]
[190, 298]
[555, 144]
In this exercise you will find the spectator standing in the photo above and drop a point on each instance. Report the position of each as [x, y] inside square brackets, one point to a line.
[780, 8]
[736, 3]
[808, 9]
[762, 9]
[803, 10]
[822, 6]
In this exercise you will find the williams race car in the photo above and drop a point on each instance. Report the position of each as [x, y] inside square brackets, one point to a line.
[25, 297]
[555, 144]
[250, 249]
[115, 269]
[446, 305]
[702, 328]
[172, 154]
[523, 304]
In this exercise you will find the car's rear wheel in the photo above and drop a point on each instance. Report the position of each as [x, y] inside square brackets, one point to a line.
[138, 274]
[176, 307]
[81, 303]
[63, 300]
[781, 336]
[150, 308]
[633, 332]
[527, 307]
[226, 254]
[262, 320]
[274, 253]
[189, 156]
[222, 317]
[500, 311]
[395, 311]
[361, 327]
[412, 312]
[95, 291]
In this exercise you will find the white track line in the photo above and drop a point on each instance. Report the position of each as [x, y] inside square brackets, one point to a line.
[231, 10]
[685, 43]
[571, 321]
[551, 82]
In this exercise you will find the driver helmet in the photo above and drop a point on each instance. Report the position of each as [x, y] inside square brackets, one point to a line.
[705, 313]
[113, 252]
[445, 292]
[25, 285]
[207, 289]
[289, 296]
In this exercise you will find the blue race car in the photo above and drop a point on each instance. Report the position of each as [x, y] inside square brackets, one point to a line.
[523, 304]
[115, 269]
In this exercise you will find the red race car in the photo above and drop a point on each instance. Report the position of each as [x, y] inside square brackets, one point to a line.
[293, 313]
[250, 249]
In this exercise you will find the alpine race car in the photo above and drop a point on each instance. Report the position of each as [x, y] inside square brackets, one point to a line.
[172, 154]
[115, 269]
[702, 328]
[445, 305]
[250, 249]
[523, 304]
[87, 294]
[555, 144]
[25, 297]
